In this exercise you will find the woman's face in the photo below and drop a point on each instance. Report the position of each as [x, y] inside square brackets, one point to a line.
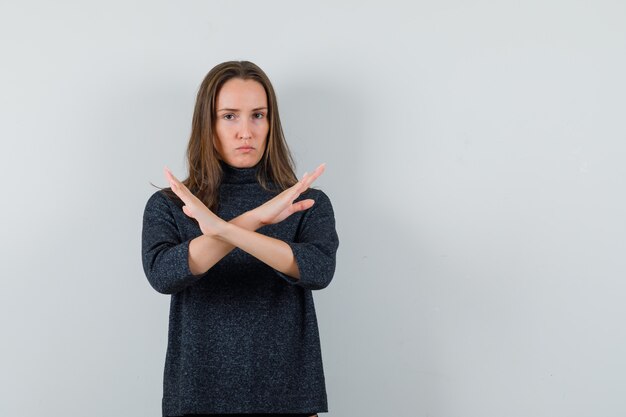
[242, 124]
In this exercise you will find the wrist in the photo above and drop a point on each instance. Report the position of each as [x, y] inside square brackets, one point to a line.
[212, 226]
[252, 220]
[230, 233]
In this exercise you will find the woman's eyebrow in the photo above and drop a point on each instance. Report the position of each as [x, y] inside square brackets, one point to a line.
[255, 109]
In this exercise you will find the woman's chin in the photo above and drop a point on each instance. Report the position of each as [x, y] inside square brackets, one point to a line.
[243, 161]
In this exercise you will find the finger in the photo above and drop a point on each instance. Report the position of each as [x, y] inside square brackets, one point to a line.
[303, 179]
[178, 187]
[318, 171]
[187, 212]
[304, 183]
[302, 205]
[170, 177]
[297, 188]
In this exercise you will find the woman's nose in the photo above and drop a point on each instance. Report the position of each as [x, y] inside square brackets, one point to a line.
[245, 132]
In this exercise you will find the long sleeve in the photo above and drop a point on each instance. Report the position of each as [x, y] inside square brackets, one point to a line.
[316, 244]
[164, 253]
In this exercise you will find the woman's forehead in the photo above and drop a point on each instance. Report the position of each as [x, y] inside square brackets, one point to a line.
[238, 94]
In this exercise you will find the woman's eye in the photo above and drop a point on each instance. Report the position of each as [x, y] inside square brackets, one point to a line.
[229, 116]
[259, 115]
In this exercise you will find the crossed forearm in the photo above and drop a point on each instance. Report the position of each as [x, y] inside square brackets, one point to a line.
[271, 251]
[205, 250]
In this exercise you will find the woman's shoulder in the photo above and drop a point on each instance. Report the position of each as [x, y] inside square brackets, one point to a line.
[315, 193]
[322, 200]
[163, 198]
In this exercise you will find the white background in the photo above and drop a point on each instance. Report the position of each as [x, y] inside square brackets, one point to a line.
[475, 156]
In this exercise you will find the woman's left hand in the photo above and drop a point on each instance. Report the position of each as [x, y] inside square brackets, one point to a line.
[210, 223]
[282, 206]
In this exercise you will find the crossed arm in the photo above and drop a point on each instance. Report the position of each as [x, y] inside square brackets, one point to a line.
[220, 237]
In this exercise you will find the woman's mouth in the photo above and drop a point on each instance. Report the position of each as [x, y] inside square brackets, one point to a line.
[245, 148]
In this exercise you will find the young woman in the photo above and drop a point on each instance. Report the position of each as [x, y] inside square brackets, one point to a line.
[240, 245]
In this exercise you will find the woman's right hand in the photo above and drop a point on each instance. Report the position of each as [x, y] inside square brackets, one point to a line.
[282, 206]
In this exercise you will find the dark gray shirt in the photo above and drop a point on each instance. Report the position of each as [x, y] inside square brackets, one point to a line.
[243, 337]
